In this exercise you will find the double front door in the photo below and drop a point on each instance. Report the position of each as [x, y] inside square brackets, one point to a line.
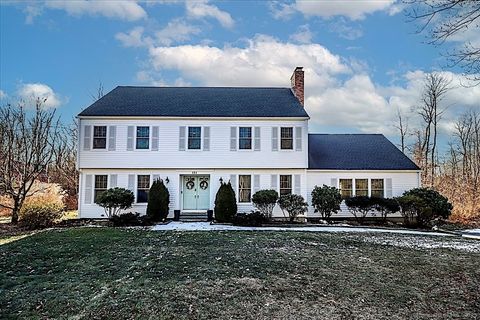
[196, 192]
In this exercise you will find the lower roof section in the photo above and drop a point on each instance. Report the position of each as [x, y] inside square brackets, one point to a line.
[355, 152]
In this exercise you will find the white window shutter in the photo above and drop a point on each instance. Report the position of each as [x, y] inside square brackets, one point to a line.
[131, 182]
[87, 137]
[155, 138]
[155, 177]
[130, 130]
[257, 140]
[112, 137]
[274, 182]
[182, 139]
[88, 188]
[333, 183]
[113, 181]
[388, 188]
[297, 184]
[256, 183]
[274, 138]
[206, 138]
[298, 138]
[233, 138]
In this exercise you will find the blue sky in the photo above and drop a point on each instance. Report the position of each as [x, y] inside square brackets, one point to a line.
[363, 59]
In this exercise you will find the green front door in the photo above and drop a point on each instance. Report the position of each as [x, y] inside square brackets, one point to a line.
[196, 192]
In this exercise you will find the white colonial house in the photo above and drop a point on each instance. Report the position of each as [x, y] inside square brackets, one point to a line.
[196, 137]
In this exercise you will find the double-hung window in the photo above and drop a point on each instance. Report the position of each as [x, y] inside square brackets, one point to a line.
[143, 137]
[244, 188]
[194, 138]
[101, 182]
[286, 138]
[346, 189]
[285, 184]
[377, 188]
[361, 187]
[245, 138]
[143, 186]
[99, 137]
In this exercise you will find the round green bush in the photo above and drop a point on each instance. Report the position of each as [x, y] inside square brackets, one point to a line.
[265, 201]
[115, 199]
[326, 200]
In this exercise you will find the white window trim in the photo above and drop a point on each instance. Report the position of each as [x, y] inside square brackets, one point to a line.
[238, 188]
[106, 138]
[149, 139]
[251, 140]
[280, 139]
[93, 185]
[201, 138]
[136, 187]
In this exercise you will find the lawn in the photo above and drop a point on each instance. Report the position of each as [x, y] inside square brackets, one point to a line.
[93, 273]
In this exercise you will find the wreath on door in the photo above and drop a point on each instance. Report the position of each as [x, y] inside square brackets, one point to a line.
[204, 185]
[190, 184]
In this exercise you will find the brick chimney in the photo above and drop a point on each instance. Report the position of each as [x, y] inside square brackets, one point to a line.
[297, 84]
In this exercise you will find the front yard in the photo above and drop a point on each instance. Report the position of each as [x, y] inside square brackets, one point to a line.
[130, 273]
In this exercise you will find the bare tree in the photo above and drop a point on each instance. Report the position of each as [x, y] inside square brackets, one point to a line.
[27, 144]
[446, 19]
[435, 88]
[402, 127]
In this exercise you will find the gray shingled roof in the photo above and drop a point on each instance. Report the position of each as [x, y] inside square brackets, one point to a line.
[355, 152]
[197, 102]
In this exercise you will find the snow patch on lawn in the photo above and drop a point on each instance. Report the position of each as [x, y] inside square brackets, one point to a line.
[420, 243]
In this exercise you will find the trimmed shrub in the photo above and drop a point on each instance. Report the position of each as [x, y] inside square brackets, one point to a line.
[438, 204]
[130, 219]
[249, 219]
[115, 199]
[225, 203]
[293, 204]
[158, 201]
[265, 201]
[326, 200]
[411, 207]
[360, 206]
[40, 212]
[385, 206]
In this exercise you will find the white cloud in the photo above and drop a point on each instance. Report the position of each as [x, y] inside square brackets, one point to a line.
[176, 31]
[352, 9]
[32, 11]
[280, 10]
[134, 38]
[303, 35]
[32, 91]
[339, 92]
[128, 10]
[3, 95]
[201, 9]
[344, 30]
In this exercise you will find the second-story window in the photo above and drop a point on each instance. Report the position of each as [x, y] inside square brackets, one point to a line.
[143, 137]
[286, 135]
[194, 138]
[245, 138]
[99, 137]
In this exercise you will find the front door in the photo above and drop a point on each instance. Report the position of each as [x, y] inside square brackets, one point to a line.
[196, 192]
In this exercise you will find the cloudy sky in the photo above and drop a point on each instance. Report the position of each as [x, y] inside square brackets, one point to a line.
[363, 60]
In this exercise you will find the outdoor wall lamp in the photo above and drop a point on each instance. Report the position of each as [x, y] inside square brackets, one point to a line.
[221, 180]
[167, 180]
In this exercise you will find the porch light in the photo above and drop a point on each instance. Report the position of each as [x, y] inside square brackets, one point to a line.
[221, 180]
[167, 180]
